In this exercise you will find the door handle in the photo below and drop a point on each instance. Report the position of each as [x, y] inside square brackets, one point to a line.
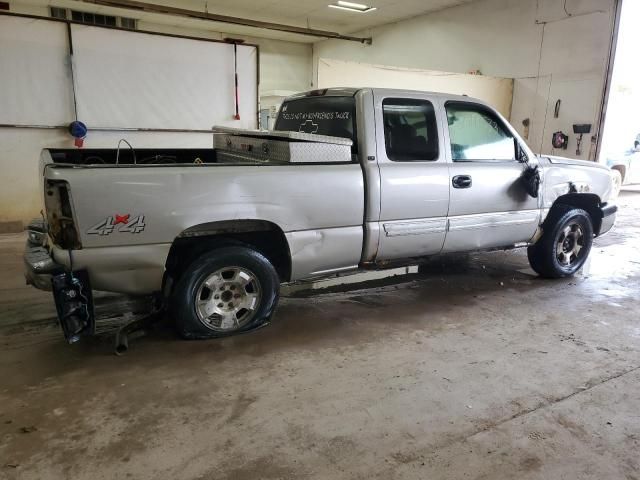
[461, 181]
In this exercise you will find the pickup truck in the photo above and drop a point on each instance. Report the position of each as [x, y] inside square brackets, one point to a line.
[626, 167]
[350, 179]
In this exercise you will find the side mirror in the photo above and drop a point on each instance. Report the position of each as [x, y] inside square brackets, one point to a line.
[521, 155]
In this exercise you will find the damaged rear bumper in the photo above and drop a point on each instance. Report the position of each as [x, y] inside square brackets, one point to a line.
[71, 290]
[39, 266]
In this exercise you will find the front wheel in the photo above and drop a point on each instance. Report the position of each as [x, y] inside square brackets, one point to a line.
[223, 292]
[565, 243]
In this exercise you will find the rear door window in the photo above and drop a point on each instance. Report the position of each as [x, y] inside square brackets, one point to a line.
[333, 116]
[410, 130]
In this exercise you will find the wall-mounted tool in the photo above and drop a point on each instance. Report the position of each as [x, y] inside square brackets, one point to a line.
[525, 123]
[560, 140]
[556, 109]
[580, 129]
[235, 42]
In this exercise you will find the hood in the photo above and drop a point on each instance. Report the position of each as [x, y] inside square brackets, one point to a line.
[571, 161]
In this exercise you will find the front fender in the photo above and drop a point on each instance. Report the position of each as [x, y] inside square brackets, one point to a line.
[563, 178]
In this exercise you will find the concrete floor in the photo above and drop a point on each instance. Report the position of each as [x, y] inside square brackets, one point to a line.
[476, 369]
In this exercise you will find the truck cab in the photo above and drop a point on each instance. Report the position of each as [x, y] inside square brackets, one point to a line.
[436, 167]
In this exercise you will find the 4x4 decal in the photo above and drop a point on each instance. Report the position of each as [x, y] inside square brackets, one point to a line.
[119, 223]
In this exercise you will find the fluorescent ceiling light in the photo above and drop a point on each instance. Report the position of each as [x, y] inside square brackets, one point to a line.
[352, 7]
[358, 6]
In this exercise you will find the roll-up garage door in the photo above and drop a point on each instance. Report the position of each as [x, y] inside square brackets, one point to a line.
[133, 80]
[123, 79]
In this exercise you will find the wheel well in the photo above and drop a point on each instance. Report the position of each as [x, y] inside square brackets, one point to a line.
[265, 237]
[622, 169]
[588, 202]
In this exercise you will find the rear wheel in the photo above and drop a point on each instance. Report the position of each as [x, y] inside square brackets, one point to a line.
[223, 292]
[565, 243]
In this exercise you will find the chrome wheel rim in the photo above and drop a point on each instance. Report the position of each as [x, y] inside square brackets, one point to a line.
[228, 299]
[570, 244]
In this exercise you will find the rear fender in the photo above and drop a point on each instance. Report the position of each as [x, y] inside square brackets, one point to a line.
[265, 237]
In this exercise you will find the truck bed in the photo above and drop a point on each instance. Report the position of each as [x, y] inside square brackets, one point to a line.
[318, 208]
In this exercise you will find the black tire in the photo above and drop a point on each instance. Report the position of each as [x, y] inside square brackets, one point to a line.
[191, 291]
[555, 244]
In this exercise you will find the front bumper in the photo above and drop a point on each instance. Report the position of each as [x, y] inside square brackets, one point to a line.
[608, 218]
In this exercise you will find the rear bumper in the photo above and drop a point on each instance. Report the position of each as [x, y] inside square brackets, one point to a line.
[609, 213]
[71, 290]
[39, 265]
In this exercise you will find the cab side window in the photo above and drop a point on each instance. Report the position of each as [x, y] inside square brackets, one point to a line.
[477, 134]
[410, 130]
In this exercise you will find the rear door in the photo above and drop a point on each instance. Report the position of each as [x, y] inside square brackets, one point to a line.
[414, 175]
[489, 207]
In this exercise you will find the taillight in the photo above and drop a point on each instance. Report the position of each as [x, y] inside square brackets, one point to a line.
[61, 225]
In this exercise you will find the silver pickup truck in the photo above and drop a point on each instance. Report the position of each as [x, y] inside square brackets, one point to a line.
[350, 179]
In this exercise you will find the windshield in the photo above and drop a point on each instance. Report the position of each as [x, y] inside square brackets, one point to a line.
[334, 116]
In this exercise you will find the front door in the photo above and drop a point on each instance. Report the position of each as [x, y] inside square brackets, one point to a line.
[489, 207]
[414, 176]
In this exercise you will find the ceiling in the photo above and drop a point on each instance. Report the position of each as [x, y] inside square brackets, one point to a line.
[313, 14]
[316, 13]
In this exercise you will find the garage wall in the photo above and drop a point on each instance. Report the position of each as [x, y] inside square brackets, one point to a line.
[283, 66]
[123, 80]
[550, 53]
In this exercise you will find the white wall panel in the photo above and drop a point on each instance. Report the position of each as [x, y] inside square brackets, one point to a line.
[572, 90]
[34, 72]
[133, 80]
[497, 92]
[498, 37]
[530, 101]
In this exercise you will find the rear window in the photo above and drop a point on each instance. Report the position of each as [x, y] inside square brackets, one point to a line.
[334, 116]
